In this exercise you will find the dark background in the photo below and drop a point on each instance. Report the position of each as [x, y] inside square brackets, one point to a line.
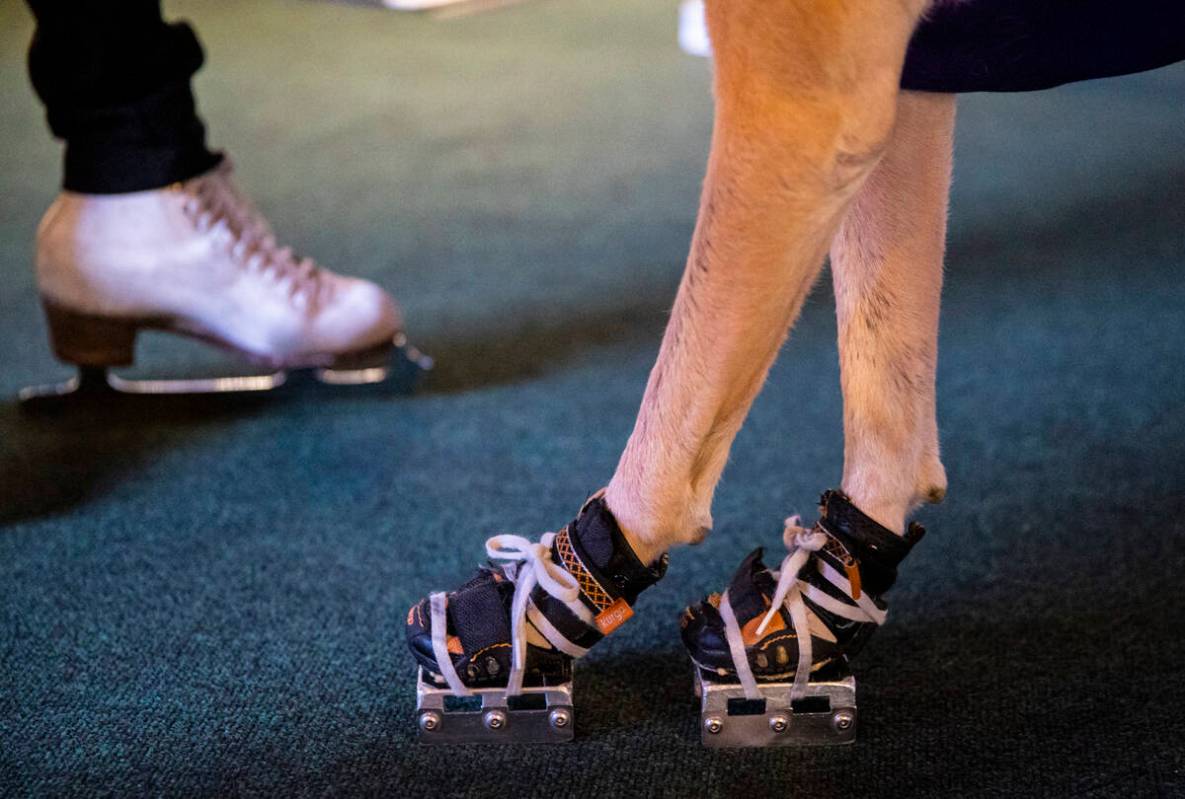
[206, 598]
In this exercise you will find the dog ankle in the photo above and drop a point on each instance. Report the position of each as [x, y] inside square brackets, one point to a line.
[885, 508]
[652, 528]
[889, 495]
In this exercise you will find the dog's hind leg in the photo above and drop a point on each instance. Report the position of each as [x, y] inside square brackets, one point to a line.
[792, 630]
[886, 263]
[806, 94]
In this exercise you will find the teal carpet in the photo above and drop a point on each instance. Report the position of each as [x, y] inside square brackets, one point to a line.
[204, 598]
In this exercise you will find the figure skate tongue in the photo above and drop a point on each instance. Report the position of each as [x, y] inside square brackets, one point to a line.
[198, 259]
[495, 656]
[771, 653]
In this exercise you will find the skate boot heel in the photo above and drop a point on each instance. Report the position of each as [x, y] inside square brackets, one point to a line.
[825, 716]
[98, 345]
[87, 340]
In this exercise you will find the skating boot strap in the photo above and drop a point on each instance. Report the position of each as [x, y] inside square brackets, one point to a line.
[596, 553]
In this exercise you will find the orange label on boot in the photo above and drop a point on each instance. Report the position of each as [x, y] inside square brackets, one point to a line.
[749, 631]
[853, 578]
[614, 616]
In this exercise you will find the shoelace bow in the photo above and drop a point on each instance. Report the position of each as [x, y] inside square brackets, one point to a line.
[540, 569]
[535, 567]
[789, 593]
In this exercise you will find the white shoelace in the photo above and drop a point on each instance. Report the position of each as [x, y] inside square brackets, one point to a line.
[535, 567]
[217, 206]
[789, 592]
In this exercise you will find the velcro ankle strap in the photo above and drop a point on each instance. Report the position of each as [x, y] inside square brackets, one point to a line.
[877, 550]
[594, 551]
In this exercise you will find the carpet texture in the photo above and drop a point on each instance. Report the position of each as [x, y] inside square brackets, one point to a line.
[204, 598]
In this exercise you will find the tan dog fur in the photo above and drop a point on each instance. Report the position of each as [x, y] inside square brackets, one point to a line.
[814, 147]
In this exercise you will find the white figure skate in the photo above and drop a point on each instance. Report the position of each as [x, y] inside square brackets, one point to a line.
[196, 258]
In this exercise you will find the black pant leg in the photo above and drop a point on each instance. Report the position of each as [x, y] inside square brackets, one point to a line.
[115, 80]
[1026, 45]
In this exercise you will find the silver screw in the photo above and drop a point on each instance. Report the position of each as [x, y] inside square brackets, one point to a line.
[429, 721]
[559, 718]
[495, 719]
[713, 724]
[779, 723]
[843, 720]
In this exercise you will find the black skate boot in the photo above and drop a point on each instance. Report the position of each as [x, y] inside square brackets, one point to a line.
[771, 653]
[496, 655]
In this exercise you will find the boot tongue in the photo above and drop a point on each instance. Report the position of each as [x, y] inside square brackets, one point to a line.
[598, 532]
[877, 549]
[750, 587]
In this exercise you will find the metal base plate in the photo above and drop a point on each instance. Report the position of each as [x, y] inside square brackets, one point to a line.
[101, 384]
[825, 716]
[540, 715]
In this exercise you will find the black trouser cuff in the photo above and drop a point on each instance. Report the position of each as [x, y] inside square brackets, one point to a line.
[148, 144]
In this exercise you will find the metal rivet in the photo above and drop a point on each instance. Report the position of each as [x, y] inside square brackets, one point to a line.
[559, 718]
[782, 655]
[762, 661]
[713, 724]
[779, 723]
[492, 667]
[429, 721]
[472, 672]
[495, 719]
[843, 720]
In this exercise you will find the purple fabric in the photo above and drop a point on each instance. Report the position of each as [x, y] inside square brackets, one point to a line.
[1025, 45]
